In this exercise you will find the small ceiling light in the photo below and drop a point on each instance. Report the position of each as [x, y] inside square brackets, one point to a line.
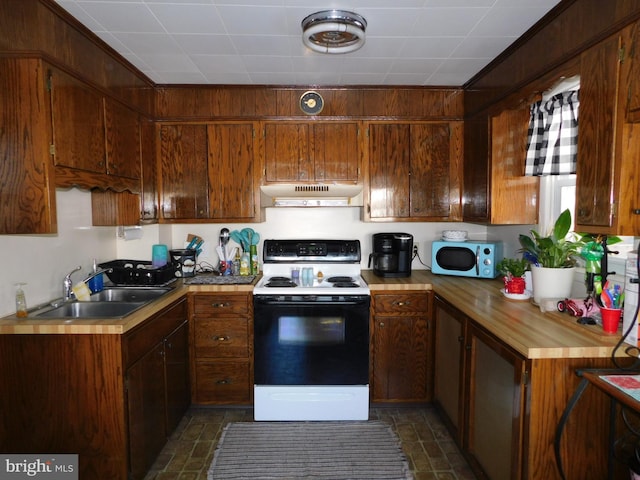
[334, 31]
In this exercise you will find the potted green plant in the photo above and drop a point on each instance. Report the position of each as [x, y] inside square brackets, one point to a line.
[552, 258]
[513, 270]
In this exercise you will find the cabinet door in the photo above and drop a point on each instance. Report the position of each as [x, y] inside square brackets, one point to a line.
[633, 87]
[448, 364]
[231, 171]
[389, 163]
[183, 163]
[27, 194]
[400, 359]
[78, 124]
[430, 172]
[596, 140]
[495, 415]
[145, 386]
[122, 140]
[287, 152]
[176, 349]
[149, 173]
[514, 197]
[335, 152]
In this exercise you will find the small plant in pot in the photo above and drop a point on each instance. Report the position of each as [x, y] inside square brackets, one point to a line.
[553, 259]
[513, 270]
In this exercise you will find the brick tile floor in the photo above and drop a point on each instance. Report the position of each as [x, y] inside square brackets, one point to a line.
[430, 450]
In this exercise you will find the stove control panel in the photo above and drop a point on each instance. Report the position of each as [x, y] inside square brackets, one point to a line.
[325, 251]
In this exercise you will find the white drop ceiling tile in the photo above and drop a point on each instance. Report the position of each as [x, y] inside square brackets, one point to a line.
[204, 44]
[114, 42]
[262, 44]
[273, 78]
[369, 65]
[462, 3]
[196, 2]
[362, 78]
[440, 79]
[122, 17]
[434, 22]
[389, 22]
[169, 63]
[546, 4]
[331, 63]
[465, 66]
[405, 79]
[148, 42]
[80, 14]
[189, 18]
[430, 47]
[416, 65]
[482, 47]
[211, 64]
[509, 21]
[253, 21]
[316, 78]
[375, 47]
[261, 64]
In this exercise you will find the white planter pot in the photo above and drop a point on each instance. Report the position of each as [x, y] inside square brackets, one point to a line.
[551, 282]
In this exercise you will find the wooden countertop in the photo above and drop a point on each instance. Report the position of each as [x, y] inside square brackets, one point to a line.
[33, 325]
[520, 324]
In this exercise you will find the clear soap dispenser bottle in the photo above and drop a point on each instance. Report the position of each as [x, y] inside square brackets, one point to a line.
[21, 301]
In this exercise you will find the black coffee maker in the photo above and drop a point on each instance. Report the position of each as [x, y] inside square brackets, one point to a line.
[391, 255]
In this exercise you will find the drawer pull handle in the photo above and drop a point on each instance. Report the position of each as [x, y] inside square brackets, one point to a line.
[224, 381]
[220, 305]
[402, 304]
[221, 338]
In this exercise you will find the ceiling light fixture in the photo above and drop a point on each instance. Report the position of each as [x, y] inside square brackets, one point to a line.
[334, 31]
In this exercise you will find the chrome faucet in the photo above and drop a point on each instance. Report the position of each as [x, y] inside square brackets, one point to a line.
[67, 284]
[96, 273]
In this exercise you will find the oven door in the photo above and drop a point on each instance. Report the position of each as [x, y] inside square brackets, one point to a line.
[311, 340]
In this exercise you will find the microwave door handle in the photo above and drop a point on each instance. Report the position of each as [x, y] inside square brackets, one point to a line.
[477, 261]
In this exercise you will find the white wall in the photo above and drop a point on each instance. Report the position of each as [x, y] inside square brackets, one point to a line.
[42, 261]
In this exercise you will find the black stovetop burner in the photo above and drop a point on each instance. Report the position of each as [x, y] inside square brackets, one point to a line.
[280, 282]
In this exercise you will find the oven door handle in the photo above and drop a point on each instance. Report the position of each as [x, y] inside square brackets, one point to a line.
[296, 303]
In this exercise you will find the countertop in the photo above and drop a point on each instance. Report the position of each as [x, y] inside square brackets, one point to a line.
[32, 325]
[519, 324]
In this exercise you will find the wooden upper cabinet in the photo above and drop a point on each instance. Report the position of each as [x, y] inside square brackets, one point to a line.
[183, 177]
[632, 48]
[414, 171]
[335, 152]
[78, 124]
[514, 197]
[122, 140]
[232, 182]
[27, 188]
[607, 183]
[311, 152]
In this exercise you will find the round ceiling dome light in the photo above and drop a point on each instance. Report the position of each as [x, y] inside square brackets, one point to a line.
[334, 31]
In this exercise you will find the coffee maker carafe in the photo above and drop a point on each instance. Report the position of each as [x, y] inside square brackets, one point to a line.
[391, 255]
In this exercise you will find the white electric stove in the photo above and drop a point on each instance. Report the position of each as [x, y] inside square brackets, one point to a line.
[311, 332]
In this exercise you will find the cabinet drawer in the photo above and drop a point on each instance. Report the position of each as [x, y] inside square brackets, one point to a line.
[216, 304]
[401, 303]
[223, 382]
[221, 337]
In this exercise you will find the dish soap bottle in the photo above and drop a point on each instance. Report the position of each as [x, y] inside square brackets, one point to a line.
[21, 301]
[245, 264]
[236, 263]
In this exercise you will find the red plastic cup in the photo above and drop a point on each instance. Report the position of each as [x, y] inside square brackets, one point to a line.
[610, 319]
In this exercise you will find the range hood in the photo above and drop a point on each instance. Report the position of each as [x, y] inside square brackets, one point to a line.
[305, 195]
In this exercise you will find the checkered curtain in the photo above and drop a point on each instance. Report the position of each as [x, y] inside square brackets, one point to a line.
[553, 135]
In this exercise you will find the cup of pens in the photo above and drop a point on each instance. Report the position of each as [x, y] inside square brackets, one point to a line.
[611, 299]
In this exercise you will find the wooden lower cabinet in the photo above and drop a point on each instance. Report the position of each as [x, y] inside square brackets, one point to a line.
[503, 409]
[222, 346]
[113, 399]
[401, 347]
